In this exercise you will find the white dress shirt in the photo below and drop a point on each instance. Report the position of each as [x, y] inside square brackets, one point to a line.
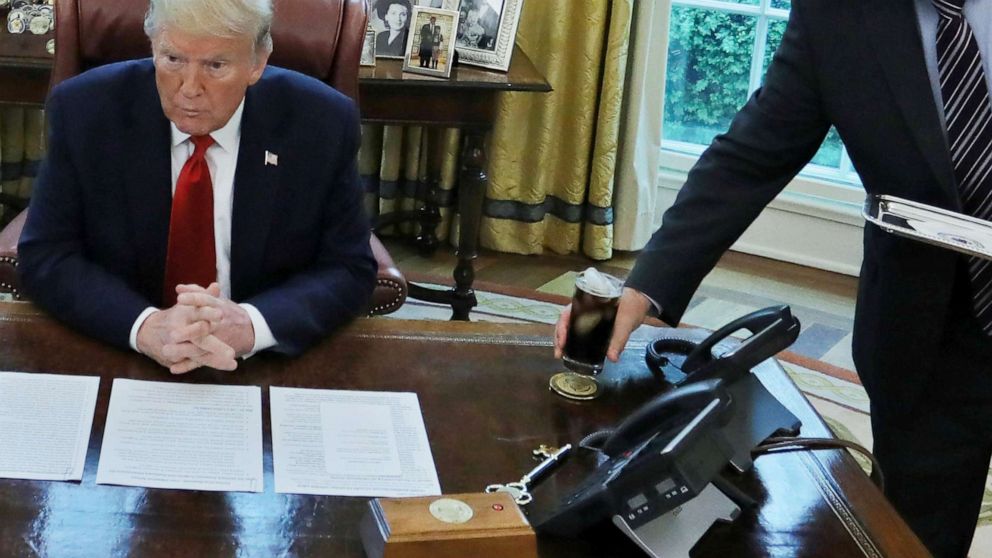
[222, 160]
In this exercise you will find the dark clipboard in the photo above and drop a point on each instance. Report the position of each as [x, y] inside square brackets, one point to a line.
[929, 224]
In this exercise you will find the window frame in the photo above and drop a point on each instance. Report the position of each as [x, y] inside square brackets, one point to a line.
[839, 185]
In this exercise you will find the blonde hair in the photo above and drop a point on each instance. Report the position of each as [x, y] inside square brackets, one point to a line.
[217, 18]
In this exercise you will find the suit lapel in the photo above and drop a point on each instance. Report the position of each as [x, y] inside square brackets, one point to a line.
[893, 28]
[148, 183]
[255, 181]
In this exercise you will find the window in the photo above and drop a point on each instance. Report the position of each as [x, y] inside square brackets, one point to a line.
[718, 53]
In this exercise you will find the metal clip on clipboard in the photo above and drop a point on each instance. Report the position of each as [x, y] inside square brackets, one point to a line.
[929, 224]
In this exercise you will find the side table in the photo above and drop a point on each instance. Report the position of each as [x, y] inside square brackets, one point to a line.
[467, 101]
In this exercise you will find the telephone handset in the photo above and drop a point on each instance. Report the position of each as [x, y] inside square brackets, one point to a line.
[662, 413]
[772, 330]
[660, 457]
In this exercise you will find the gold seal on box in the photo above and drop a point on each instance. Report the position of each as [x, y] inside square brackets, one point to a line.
[574, 386]
[451, 510]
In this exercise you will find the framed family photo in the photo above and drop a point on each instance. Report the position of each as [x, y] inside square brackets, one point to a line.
[390, 21]
[486, 32]
[430, 46]
[443, 4]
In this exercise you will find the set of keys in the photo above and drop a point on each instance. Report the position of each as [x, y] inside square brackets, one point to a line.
[520, 490]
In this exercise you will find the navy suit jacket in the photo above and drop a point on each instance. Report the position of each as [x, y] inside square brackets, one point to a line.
[93, 249]
[857, 65]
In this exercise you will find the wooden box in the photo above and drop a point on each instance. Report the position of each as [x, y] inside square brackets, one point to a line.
[455, 525]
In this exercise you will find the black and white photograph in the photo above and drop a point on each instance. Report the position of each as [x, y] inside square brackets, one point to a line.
[479, 23]
[390, 20]
[368, 49]
[486, 32]
[431, 46]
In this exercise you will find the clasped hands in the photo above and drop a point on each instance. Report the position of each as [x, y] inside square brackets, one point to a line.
[202, 329]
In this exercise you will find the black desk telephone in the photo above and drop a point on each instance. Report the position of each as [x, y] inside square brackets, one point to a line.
[670, 452]
[772, 330]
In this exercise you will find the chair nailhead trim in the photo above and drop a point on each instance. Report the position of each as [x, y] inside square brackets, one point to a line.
[5, 286]
[392, 304]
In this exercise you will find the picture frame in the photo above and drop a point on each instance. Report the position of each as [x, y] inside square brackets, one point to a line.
[430, 48]
[368, 49]
[487, 32]
[390, 20]
[443, 4]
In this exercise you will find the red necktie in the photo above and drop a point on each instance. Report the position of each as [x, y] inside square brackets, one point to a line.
[191, 258]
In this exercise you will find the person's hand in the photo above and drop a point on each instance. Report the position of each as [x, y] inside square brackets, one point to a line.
[179, 339]
[233, 326]
[633, 308]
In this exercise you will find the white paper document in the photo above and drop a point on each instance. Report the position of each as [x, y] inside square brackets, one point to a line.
[45, 422]
[350, 443]
[186, 436]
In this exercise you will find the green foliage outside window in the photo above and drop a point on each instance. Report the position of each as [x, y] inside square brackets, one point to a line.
[709, 65]
[708, 73]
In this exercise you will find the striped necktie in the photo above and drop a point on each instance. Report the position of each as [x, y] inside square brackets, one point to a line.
[968, 114]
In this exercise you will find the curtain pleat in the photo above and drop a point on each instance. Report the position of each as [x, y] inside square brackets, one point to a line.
[22, 145]
[553, 160]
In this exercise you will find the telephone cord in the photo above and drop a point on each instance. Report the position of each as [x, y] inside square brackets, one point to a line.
[788, 443]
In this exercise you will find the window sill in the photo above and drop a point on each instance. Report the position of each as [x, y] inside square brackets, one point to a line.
[828, 214]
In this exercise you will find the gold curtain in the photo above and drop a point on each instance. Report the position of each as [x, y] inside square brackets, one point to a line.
[555, 154]
[552, 157]
[22, 145]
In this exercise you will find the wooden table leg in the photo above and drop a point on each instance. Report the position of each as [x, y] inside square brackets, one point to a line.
[472, 184]
[471, 196]
[428, 212]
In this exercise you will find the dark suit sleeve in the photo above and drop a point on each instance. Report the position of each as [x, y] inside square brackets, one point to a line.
[339, 283]
[52, 261]
[769, 141]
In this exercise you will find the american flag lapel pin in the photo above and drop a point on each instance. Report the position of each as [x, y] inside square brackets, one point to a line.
[271, 159]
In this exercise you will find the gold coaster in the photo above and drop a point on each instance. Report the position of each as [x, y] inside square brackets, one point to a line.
[574, 386]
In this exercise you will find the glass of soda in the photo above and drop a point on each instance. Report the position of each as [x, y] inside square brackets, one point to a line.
[590, 326]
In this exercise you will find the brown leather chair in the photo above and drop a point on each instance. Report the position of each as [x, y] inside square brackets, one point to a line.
[321, 38]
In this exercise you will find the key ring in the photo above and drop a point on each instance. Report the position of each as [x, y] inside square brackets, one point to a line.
[516, 490]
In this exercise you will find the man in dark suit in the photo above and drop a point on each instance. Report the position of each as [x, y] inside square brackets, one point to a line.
[175, 186]
[871, 70]
[427, 40]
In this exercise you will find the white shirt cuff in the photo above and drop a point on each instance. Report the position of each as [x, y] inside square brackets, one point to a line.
[133, 338]
[657, 307]
[263, 335]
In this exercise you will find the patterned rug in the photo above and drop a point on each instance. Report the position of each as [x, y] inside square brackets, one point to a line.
[834, 391]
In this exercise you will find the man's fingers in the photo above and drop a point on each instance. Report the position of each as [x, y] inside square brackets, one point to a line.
[561, 330]
[195, 330]
[204, 351]
[621, 332]
[178, 352]
[217, 354]
[202, 298]
[184, 366]
[213, 289]
[189, 288]
[211, 344]
[630, 315]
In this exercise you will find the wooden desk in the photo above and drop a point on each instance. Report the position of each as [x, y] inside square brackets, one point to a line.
[467, 100]
[485, 403]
